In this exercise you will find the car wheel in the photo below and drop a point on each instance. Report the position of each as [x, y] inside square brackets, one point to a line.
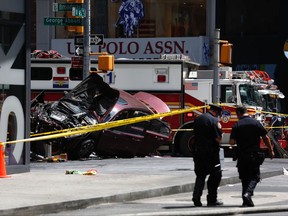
[82, 150]
[185, 144]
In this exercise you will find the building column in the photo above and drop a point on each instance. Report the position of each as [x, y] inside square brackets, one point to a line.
[44, 33]
[210, 27]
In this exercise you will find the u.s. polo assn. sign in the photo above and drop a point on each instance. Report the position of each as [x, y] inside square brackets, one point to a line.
[197, 48]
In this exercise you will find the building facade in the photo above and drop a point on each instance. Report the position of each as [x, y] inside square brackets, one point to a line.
[257, 30]
[148, 28]
[135, 29]
[15, 83]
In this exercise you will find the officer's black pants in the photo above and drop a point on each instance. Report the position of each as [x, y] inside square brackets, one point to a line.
[249, 173]
[213, 182]
[248, 186]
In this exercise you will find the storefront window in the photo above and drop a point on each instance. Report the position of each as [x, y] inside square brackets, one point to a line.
[172, 26]
[162, 18]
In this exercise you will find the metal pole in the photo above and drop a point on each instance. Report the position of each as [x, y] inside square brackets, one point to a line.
[210, 26]
[215, 93]
[86, 40]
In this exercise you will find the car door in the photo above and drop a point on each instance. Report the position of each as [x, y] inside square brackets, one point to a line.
[123, 141]
[157, 133]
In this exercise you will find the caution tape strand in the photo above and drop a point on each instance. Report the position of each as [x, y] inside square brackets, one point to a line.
[101, 126]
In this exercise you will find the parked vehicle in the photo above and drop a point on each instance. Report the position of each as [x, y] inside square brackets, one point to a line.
[92, 102]
[177, 81]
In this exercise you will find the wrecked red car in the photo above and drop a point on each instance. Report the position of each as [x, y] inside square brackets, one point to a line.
[94, 101]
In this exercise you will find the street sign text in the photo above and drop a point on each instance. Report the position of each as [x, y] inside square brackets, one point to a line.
[65, 6]
[63, 21]
[95, 39]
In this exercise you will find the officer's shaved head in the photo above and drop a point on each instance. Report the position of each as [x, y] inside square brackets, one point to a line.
[241, 110]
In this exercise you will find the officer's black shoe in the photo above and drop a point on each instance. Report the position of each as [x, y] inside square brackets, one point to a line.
[215, 203]
[197, 202]
[247, 200]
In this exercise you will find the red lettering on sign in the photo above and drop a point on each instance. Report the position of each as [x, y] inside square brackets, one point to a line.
[148, 48]
[121, 51]
[69, 48]
[132, 48]
[159, 47]
[135, 48]
[168, 47]
[112, 47]
[179, 46]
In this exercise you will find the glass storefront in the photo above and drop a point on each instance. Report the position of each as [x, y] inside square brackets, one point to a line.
[161, 18]
[145, 18]
[144, 29]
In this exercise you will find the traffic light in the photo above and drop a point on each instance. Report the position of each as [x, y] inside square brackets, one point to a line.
[106, 62]
[80, 30]
[226, 53]
[75, 29]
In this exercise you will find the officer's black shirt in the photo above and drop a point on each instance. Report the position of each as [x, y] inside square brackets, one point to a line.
[206, 130]
[247, 132]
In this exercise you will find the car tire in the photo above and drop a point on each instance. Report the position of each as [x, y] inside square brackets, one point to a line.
[82, 150]
[185, 144]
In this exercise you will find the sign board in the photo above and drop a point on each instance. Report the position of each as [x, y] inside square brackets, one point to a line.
[109, 77]
[95, 39]
[79, 50]
[59, 7]
[63, 21]
[197, 48]
[80, 12]
[76, 62]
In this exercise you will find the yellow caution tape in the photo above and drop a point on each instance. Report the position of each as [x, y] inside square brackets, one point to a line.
[187, 129]
[102, 126]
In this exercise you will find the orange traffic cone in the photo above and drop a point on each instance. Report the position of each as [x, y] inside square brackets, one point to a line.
[2, 162]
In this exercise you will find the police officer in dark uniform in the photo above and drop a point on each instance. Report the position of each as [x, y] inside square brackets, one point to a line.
[208, 135]
[247, 133]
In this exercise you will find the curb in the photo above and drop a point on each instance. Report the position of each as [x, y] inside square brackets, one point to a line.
[135, 195]
[216, 211]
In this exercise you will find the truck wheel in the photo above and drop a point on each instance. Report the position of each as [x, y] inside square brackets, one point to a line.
[185, 144]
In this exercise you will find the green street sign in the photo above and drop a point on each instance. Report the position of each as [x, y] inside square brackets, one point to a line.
[63, 21]
[65, 6]
[80, 12]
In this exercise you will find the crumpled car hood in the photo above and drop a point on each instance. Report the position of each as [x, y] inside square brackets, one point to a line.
[95, 94]
[155, 103]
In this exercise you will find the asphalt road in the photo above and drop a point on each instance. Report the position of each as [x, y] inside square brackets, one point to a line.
[270, 192]
[123, 186]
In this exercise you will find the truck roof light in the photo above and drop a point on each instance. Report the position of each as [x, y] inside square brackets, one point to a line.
[61, 70]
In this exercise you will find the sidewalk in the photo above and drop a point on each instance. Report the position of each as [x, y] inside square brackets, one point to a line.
[47, 188]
